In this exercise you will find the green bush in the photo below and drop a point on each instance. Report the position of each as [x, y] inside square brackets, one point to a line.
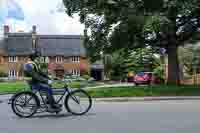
[116, 78]
[159, 74]
[86, 77]
[3, 74]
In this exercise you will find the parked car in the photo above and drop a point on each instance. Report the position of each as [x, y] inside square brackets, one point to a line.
[143, 78]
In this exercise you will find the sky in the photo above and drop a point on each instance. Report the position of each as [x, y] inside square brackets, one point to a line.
[47, 15]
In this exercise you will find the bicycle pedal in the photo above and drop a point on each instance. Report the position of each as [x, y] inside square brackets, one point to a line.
[60, 105]
[54, 110]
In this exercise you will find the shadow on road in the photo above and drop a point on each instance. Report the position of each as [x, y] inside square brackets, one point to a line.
[56, 116]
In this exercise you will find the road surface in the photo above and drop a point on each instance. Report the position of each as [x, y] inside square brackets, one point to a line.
[124, 117]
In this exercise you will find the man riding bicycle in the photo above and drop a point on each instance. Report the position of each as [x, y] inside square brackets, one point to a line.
[40, 80]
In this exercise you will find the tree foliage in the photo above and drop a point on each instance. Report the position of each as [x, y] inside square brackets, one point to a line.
[119, 63]
[116, 24]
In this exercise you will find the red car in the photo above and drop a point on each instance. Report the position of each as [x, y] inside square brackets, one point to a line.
[143, 78]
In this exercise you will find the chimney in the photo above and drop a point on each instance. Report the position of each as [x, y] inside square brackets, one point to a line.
[34, 37]
[34, 29]
[6, 29]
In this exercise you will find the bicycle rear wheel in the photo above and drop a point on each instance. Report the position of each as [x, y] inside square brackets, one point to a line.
[78, 102]
[25, 104]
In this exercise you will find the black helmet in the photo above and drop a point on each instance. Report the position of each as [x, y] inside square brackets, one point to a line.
[34, 54]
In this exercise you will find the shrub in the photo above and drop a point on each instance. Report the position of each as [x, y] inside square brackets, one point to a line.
[87, 77]
[159, 74]
[116, 78]
[3, 74]
[84, 72]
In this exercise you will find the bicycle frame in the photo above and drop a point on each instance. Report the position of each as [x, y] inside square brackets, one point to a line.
[61, 92]
[56, 91]
[43, 105]
[40, 104]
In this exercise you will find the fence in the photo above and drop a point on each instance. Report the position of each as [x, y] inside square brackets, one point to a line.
[194, 80]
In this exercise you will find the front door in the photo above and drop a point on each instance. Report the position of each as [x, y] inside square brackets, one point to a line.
[97, 74]
[59, 73]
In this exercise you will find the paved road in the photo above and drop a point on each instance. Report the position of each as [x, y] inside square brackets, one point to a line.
[131, 117]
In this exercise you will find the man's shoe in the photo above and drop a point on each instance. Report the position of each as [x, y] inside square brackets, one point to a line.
[57, 106]
[54, 109]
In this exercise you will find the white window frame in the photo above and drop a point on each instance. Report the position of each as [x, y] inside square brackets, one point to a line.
[1, 60]
[46, 59]
[76, 72]
[12, 59]
[13, 73]
[75, 58]
[59, 59]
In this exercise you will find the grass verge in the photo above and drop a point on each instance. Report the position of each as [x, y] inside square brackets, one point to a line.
[134, 91]
[142, 91]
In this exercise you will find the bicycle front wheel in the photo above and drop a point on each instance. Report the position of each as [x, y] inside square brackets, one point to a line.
[78, 102]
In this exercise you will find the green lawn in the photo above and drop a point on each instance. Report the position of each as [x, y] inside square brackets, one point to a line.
[13, 86]
[141, 91]
[16, 86]
[134, 91]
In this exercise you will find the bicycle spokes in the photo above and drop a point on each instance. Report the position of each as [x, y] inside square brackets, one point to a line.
[78, 102]
[76, 99]
[24, 104]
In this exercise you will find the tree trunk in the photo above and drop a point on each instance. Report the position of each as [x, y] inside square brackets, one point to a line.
[173, 65]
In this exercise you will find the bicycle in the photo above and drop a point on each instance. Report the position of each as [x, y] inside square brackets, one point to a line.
[27, 103]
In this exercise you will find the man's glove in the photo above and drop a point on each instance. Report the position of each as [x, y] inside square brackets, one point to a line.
[50, 82]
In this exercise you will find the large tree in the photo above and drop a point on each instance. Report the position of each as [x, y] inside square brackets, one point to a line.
[116, 24]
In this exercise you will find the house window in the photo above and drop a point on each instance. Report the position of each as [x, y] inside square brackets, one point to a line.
[76, 72]
[59, 59]
[75, 59]
[12, 73]
[12, 59]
